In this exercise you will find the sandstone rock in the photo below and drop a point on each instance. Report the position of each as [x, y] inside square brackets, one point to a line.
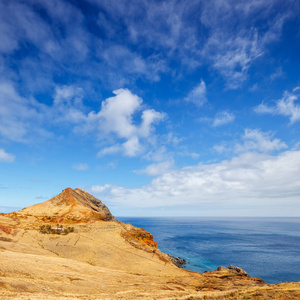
[141, 235]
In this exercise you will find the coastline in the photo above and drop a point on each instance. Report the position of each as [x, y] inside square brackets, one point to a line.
[105, 258]
[201, 253]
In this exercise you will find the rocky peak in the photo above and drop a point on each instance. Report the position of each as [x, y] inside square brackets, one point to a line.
[71, 206]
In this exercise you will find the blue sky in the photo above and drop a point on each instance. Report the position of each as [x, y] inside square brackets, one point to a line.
[158, 108]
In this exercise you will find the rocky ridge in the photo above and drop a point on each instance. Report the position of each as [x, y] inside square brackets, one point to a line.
[70, 206]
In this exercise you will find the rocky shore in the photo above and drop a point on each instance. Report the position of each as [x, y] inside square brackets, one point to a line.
[177, 261]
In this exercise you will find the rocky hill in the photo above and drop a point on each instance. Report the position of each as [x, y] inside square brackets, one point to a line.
[70, 206]
[102, 258]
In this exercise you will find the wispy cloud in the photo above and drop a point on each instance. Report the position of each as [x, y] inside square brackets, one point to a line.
[6, 157]
[80, 166]
[277, 74]
[128, 41]
[68, 105]
[234, 57]
[19, 116]
[256, 140]
[100, 188]
[157, 168]
[253, 140]
[231, 42]
[110, 150]
[236, 40]
[198, 94]
[285, 106]
[223, 118]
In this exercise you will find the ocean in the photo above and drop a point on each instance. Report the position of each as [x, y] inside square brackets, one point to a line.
[264, 247]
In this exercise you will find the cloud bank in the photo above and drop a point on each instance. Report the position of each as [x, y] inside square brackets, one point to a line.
[248, 180]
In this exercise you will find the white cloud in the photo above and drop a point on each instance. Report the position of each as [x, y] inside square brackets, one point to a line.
[19, 117]
[67, 104]
[234, 55]
[98, 189]
[249, 180]
[157, 168]
[285, 106]
[132, 147]
[116, 113]
[80, 166]
[253, 140]
[256, 140]
[23, 118]
[264, 109]
[119, 58]
[221, 148]
[158, 154]
[198, 94]
[277, 74]
[117, 118]
[123, 121]
[6, 157]
[111, 150]
[222, 118]
[149, 117]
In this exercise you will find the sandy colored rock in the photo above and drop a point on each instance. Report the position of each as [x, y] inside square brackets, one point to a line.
[70, 206]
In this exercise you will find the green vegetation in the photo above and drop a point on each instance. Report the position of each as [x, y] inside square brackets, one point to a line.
[59, 229]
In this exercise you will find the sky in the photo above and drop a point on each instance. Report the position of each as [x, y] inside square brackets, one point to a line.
[157, 108]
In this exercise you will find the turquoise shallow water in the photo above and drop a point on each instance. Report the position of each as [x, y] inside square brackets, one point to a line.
[264, 247]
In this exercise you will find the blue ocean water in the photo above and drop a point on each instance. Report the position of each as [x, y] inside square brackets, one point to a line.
[264, 247]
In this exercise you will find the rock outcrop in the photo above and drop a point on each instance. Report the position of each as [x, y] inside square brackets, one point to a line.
[70, 206]
[140, 235]
[177, 261]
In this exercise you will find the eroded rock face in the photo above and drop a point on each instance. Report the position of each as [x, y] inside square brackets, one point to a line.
[237, 270]
[224, 279]
[177, 261]
[70, 206]
[141, 235]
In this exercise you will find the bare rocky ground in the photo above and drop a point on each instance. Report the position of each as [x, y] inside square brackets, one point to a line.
[105, 259]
